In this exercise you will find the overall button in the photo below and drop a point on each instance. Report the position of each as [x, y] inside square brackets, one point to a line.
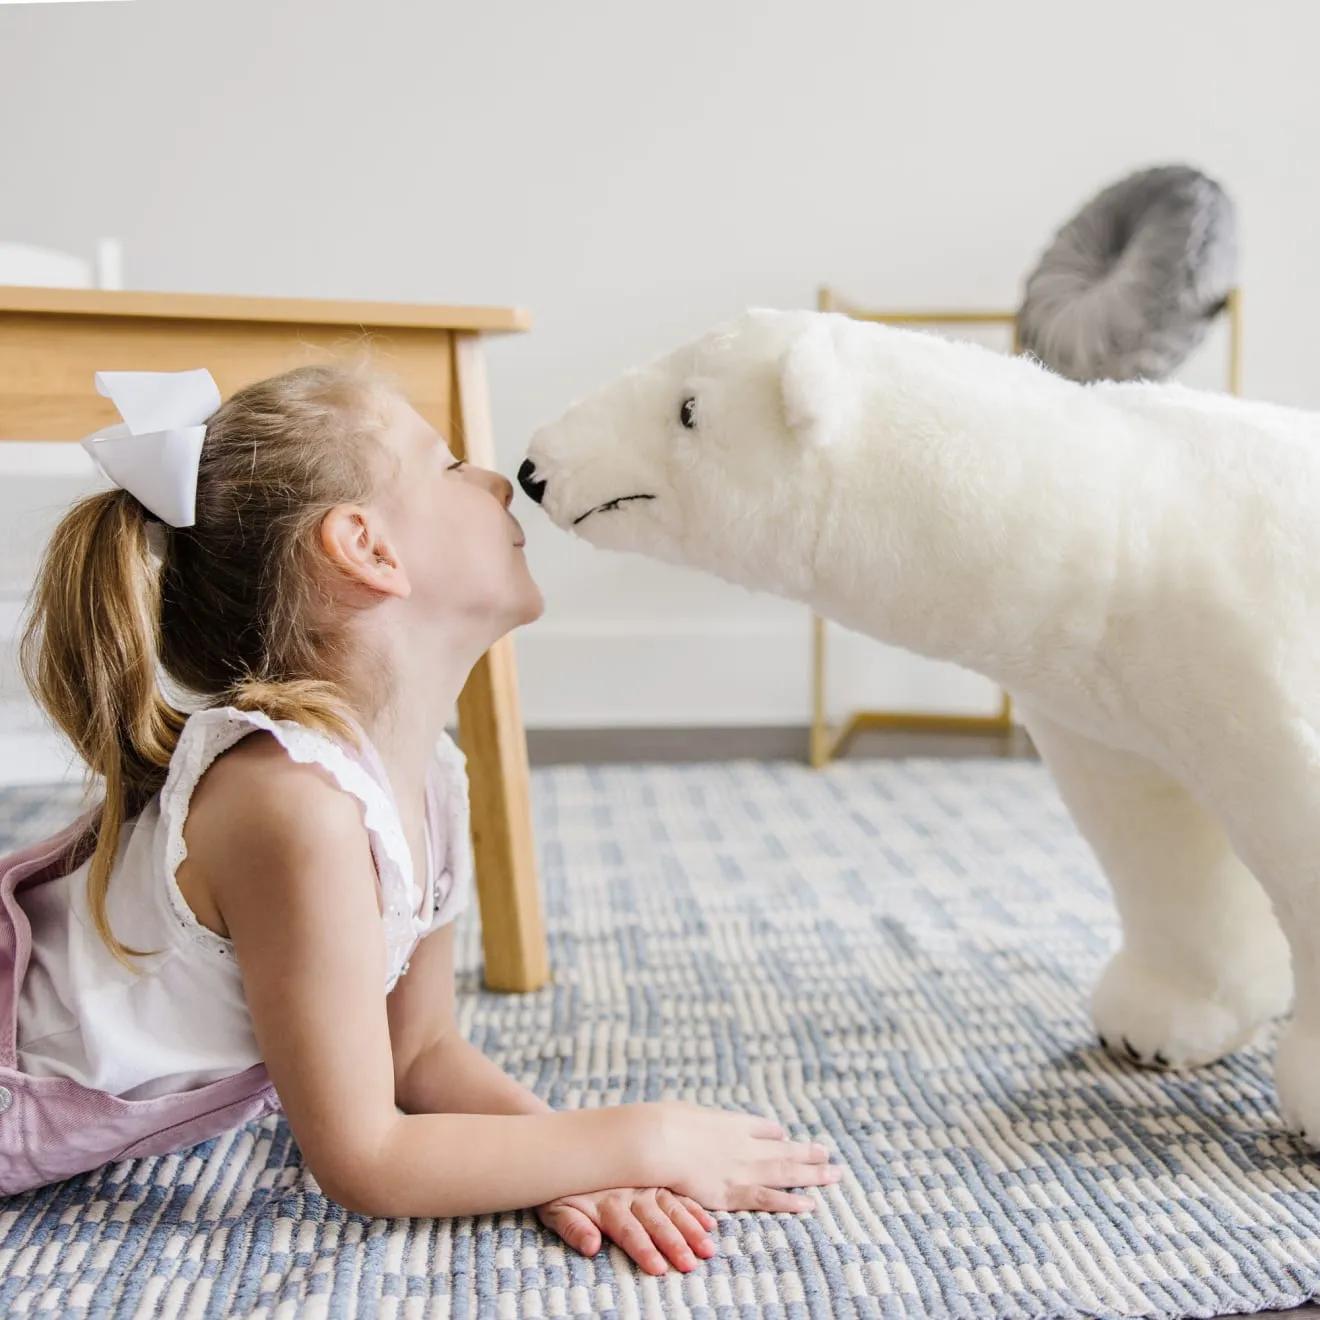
[6, 1098]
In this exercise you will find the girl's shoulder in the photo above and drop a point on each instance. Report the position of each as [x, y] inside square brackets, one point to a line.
[208, 734]
[226, 755]
[220, 763]
[243, 790]
[256, 803]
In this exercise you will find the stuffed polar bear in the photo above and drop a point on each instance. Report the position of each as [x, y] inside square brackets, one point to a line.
[1137, 565]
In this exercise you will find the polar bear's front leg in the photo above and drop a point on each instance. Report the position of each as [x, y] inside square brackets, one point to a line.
[1203, 962]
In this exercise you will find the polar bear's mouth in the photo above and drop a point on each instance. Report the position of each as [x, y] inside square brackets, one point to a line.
[609, 506]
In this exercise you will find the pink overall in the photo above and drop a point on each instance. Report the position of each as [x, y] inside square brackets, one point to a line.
[52, 1128]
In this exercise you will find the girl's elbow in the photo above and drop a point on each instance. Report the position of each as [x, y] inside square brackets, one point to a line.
[356, 1179]
[358, 1192]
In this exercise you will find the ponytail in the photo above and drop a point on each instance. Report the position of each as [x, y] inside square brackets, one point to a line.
[311, 702]
[89, 655]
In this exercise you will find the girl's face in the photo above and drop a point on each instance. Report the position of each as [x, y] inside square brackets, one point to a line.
[460, 547]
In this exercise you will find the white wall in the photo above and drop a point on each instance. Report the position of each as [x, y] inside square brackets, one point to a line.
[633, 173]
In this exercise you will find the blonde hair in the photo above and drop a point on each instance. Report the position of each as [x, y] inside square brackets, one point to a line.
[230, 613]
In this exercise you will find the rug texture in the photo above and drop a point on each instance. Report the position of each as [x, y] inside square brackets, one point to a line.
[892, 957]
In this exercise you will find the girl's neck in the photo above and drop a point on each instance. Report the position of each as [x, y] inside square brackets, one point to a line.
[427, 676]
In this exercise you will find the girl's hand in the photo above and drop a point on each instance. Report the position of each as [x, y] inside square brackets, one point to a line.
[730, 1161]
[652, 1225]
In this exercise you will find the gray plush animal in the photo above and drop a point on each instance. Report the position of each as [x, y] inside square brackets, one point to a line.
[1129, 285]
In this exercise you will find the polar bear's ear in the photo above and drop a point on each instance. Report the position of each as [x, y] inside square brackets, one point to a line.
[814, 384]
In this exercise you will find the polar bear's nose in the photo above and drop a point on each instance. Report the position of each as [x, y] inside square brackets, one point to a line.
[528, 480]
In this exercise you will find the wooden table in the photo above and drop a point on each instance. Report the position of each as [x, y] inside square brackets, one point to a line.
[52, 340]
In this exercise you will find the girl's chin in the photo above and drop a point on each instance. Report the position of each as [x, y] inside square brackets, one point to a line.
[535, 606]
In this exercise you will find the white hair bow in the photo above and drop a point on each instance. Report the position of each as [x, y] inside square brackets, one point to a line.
[154, 453]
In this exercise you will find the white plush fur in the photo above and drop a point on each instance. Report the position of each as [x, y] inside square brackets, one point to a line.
[1138, 565]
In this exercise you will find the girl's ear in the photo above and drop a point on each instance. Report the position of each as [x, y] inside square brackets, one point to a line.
[356, 543]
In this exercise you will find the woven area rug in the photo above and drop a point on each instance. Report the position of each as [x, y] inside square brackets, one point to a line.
[892, 957]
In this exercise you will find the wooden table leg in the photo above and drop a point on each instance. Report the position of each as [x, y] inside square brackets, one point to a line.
[491, 732]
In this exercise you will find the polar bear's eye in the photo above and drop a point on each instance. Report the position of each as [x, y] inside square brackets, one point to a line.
[687, 414]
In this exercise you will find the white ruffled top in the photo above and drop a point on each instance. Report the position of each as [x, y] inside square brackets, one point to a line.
[180, 1019]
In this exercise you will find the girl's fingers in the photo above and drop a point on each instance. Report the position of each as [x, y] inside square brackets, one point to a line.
[695, 1234]
[698, 1212]
[819, 1175]
[665, 1233]
[787, 1173]
[767, 1129]
[574, 1227]
[770, 1200]
[801, 1152]
[779, 1162]
[628, 1233]
[788, 1203]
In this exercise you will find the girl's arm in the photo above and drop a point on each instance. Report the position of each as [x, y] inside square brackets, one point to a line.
[284, 857]
[436, 1071]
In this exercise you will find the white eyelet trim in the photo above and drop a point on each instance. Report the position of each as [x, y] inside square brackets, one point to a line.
[453, 884]
[209, 733]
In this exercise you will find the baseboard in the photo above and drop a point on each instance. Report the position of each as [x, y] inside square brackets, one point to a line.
[546, 747]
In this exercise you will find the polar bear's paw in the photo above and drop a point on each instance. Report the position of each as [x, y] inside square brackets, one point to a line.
[1148, 1016]
[1297, 1076]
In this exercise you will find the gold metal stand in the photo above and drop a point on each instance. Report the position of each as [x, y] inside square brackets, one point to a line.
[1233, 310]
[826, 741]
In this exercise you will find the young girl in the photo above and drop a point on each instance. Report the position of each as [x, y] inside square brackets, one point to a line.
[260, 911]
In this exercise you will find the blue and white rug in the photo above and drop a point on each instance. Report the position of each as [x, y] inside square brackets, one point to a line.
[892, 957]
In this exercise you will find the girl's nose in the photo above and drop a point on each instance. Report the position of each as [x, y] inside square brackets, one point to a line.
[498, 485]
